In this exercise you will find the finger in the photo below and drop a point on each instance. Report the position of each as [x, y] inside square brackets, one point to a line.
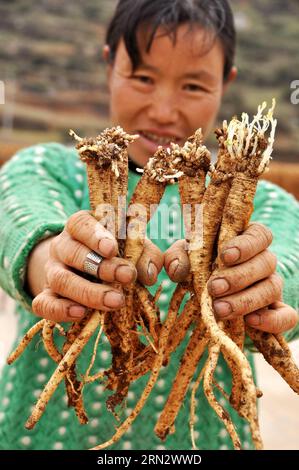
[72, 253]
[260, 295]
[71, 286]
[177, 264]
[49, 306]
[150, 263]
[84, 228]
[275, 319]
[254, 240]
[237, 278]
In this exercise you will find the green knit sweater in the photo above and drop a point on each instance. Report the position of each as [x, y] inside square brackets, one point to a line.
[40, 188]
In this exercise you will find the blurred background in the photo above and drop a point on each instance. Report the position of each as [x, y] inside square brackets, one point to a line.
[54, 77]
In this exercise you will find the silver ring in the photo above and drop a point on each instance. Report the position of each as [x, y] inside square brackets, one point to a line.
[92, 263]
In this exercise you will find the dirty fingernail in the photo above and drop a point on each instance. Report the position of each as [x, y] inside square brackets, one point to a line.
[231, 255]
[113, 300]
[222, 309]
[106, 246]
[219, 286]
[76, 311]
[125, 274]
[254, 319]
[173, 267]
[152, 271]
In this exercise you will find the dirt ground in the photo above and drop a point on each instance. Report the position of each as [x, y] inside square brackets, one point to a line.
[279, 407]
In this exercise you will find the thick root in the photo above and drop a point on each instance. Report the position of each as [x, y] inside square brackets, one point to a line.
[189, 362]
[63, 369]
[214, 351]
[277, 353]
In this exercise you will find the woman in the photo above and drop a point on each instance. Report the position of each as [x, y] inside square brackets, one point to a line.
[169, 64]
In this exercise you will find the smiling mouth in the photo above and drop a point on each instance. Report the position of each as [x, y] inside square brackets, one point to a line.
[159, 140]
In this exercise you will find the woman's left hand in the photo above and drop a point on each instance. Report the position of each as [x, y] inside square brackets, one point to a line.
[247, 286]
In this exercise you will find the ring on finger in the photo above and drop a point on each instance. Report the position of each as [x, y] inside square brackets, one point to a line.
[92, 263]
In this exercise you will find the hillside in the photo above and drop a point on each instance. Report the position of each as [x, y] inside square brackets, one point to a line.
[50, 61]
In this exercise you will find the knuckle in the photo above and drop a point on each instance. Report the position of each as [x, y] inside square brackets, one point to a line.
[75, 221]
[276, 326]
[74, 257]
[267, 234]
[287, 321]
[50, 309]
[294, 318]
[270, 261]
[107, 269]
[58, 280]
[275, 283]
[251, 239]
[247, 243]
[247, 304]
[262, 231]
[88, 298]
[50, 269]
[54, 244]
[278, 279]
[37, 305]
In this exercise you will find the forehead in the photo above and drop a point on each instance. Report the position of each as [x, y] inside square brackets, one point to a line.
[186, 50]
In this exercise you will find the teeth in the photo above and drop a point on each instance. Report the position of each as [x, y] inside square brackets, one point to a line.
[158, 139]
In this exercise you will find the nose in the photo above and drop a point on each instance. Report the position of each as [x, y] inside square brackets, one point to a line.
[163, 108]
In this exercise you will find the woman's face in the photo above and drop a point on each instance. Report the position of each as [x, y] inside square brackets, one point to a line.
[176, 89]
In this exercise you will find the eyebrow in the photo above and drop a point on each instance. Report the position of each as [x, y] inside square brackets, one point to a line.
[199, 75]
[191, 76]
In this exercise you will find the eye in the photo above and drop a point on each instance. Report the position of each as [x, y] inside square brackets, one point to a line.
[193, 87]
[143, 79]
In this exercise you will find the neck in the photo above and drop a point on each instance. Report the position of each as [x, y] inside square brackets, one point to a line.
[133, 167]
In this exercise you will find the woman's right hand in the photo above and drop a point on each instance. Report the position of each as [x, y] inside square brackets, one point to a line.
[66, 295]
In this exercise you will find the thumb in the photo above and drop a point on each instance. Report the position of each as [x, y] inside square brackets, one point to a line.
[150, 263]
[177, 264]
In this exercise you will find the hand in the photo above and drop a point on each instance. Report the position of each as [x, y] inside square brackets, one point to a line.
[66, 295]
[247, 286]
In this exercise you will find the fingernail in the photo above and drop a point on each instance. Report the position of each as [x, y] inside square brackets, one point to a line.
[76, 311]
[113, 299]
[222, 309]
[254, 319]
[152, 271]
[173, 267]
[219, 286]
[125, 272]
[231, 255]
[106, 246]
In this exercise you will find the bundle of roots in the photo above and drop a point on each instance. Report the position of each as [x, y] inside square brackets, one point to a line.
[140, 343]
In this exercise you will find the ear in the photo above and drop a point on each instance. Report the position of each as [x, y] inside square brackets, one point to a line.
[105, 55]
[230, 79]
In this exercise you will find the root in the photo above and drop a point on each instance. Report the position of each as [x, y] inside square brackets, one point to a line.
[25, 341]
[277, 354]
[63, 368]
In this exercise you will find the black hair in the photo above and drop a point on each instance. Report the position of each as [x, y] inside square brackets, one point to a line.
[215, 16]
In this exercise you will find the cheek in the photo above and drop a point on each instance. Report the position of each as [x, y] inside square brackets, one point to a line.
[124, 104]
[203, 113]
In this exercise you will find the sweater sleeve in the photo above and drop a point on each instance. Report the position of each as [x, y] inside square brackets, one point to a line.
[40, 188]
[279, 210]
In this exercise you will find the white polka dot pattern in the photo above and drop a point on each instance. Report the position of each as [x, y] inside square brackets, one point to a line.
[26, 440]
[58, 446]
